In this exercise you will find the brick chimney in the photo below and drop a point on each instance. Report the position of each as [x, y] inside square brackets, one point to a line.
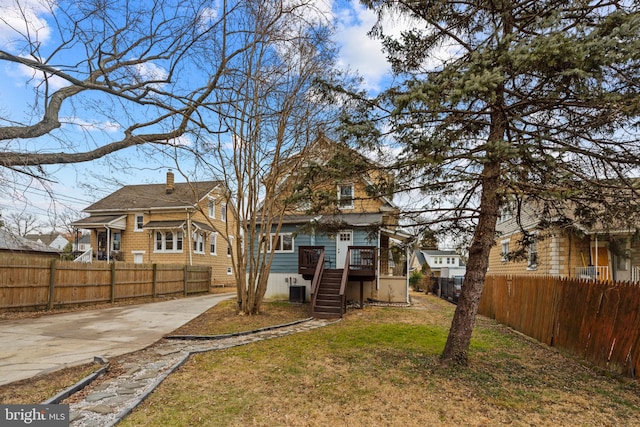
[170, 182]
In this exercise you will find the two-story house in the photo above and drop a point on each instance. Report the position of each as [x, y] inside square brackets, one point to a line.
[438, 263]
[604, 250]
[170, 223]
[337, 231]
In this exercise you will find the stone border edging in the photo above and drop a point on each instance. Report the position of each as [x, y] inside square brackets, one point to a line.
[234, 334]
[76, 387]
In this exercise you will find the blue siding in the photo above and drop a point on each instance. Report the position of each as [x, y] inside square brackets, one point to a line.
[288, 262]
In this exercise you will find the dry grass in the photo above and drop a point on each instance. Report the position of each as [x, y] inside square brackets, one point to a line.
[379, 366]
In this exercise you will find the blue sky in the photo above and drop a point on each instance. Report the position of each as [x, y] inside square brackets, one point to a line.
[67, 188]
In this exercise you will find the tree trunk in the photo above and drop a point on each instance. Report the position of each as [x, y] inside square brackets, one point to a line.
[463, 322]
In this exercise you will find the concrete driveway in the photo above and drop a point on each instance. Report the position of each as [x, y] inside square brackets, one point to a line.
[29, 347]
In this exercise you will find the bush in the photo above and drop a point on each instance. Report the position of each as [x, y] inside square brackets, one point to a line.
[416, 280]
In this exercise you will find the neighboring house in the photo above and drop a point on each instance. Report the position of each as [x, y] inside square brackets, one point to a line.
[11, 243]
[53, 240]
[436, 263]
[171, 223]
[574, 250]
[82, 242]
[354, 235]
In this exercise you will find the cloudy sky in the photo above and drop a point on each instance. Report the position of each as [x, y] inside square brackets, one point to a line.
[357, 52]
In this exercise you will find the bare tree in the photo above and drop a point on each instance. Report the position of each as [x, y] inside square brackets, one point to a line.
[270, 109]
[123, 74]
[22, 223]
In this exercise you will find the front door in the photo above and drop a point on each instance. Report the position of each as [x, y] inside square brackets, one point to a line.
[343, 241]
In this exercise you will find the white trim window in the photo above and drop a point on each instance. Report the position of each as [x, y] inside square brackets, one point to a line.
[345, 196]
[229, 271]
[223, 212]
[504, 250]
[198, 243]
[284, 242]
[532, 259]
[229, 245]
[213, 244]
[138, 220]
[211, 208]
[168, 241]
[116, 241]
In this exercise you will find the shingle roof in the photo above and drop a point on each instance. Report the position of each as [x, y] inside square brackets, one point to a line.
[149, 196]
[13, 242]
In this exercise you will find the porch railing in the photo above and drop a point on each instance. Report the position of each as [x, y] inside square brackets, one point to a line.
[308, 257]
[86, 256]
[363, 261]
[635, 274]
[593, 273]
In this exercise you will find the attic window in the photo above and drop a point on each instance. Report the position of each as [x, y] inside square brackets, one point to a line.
[345, 196]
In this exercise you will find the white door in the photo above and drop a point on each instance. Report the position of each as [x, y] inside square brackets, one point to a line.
[343, 241]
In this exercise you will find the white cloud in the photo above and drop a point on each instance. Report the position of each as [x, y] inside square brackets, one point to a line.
[108, 126]
[181, 141]
[23, 74]
[23, 20]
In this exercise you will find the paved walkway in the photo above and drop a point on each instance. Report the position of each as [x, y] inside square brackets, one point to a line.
[33, 346]
[108, 399]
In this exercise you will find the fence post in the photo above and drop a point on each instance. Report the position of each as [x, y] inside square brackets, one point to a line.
[154, 286]
[113, 282]
[52, 284]
[186, 272]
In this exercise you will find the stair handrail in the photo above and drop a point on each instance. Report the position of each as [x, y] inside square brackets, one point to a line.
[343, 283]
[86, 256]
[317, 277]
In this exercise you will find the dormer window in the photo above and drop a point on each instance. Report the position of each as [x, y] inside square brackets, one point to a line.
[211, 208]
[345, 196]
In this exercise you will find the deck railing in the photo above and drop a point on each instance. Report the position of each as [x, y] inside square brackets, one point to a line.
[593, 272]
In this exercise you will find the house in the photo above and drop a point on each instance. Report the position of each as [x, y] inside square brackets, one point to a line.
[82, 242]
[437, 263]
[53, 240]
[170, 223]
[341, 251]
[11, 244]
[602, 250]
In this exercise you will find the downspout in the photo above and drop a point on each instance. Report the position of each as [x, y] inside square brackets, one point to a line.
[190, 238]
[596, 260]
[378, 262]
[108, 243]
[406, 272]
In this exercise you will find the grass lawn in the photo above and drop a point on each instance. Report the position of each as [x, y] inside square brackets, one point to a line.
[377, 367]
[380, 366]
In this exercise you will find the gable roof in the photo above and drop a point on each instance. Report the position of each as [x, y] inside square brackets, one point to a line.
[13, 242]
[154, 196]
[47, 239]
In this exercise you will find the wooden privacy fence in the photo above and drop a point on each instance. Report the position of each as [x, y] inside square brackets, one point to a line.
[35, 283]
[598, 321]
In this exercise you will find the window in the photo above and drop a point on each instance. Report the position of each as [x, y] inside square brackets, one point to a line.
[168, 241]
[139, 222]
[212, 208]
[198, 243]
[229, 245]
[345, 197]
[213, 241]
[504, 254]
[506, 213]
[117, 240]
[223, 212]
[229, 271]
[282, 243]
[532, 262]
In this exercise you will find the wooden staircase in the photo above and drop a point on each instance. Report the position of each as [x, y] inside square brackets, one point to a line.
[328, 300]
